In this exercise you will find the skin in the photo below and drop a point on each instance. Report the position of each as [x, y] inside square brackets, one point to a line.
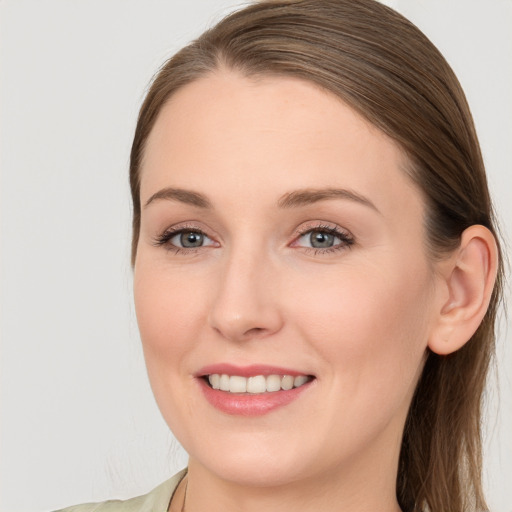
[358, 316]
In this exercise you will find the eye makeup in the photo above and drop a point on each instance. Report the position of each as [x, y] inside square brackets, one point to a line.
[316, 238]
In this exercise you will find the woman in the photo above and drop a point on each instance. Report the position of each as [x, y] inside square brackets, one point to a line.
[316, 269]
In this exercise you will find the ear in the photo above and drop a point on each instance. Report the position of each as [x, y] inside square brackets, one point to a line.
[468, 278]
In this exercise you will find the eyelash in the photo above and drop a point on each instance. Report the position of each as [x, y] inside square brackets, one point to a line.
[164, 238]
[346, 239]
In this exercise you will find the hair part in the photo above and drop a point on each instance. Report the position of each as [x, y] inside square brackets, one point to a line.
[387, 70]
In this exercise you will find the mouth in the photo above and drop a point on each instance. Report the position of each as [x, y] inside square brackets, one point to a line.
[256, 384]
[252, 390]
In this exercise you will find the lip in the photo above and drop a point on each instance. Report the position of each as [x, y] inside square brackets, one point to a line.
[249, 404]
[247, 371]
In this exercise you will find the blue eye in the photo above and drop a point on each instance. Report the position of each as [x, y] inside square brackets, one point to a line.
[182, 239]
[324, 239]
[188, 239]
[321, 239]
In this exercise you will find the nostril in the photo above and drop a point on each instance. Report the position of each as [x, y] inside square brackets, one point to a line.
[255, 332]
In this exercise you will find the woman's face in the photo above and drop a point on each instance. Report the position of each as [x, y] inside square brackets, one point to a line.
[280, 236]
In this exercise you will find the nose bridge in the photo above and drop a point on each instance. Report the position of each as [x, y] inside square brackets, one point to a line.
[245, 304]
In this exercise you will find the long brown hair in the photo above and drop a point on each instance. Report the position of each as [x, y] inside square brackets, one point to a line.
[387, 70]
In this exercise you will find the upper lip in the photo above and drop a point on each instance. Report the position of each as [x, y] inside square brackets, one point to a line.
[247, 371]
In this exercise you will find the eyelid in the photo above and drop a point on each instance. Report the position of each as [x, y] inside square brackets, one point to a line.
[345, 236]
[180, 232]
[321, 226]
[164, 237]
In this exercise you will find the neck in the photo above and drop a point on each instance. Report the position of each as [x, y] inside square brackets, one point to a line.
[359, 487]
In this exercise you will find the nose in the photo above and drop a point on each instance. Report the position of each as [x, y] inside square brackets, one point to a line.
[246, 303]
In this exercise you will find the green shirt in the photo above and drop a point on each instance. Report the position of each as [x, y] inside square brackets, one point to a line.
[157, 500]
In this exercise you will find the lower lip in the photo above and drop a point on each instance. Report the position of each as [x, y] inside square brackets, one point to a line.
[247, 404]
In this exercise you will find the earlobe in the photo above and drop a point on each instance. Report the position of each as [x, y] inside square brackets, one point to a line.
[469, 280]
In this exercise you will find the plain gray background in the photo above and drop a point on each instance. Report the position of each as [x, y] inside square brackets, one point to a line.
[78, 421]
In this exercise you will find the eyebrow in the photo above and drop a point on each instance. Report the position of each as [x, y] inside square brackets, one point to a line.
[181, 195]
[294, 199]
[308, 196]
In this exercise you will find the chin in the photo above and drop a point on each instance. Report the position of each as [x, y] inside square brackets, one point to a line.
[252, 469]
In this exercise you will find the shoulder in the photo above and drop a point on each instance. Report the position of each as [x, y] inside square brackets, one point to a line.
[155, 501]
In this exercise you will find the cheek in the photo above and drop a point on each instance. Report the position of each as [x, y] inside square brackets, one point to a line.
[170, 312]
[170, 315]
[370, 324]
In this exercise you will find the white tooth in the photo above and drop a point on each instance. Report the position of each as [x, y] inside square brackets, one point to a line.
[237, 384]
[273, 383]
[287, 382]
[256, 384]
[224, 382]
[299, 380]
[214, 380]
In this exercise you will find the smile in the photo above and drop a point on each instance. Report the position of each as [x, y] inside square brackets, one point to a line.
[252, 390]
[256, 384]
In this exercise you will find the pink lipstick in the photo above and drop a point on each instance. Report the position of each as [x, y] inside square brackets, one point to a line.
[251, 390]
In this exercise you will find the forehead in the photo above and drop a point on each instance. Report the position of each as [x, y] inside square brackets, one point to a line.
[226, 134]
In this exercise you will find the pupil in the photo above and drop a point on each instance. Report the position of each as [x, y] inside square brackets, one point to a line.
[191, 239]
[320, 239]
